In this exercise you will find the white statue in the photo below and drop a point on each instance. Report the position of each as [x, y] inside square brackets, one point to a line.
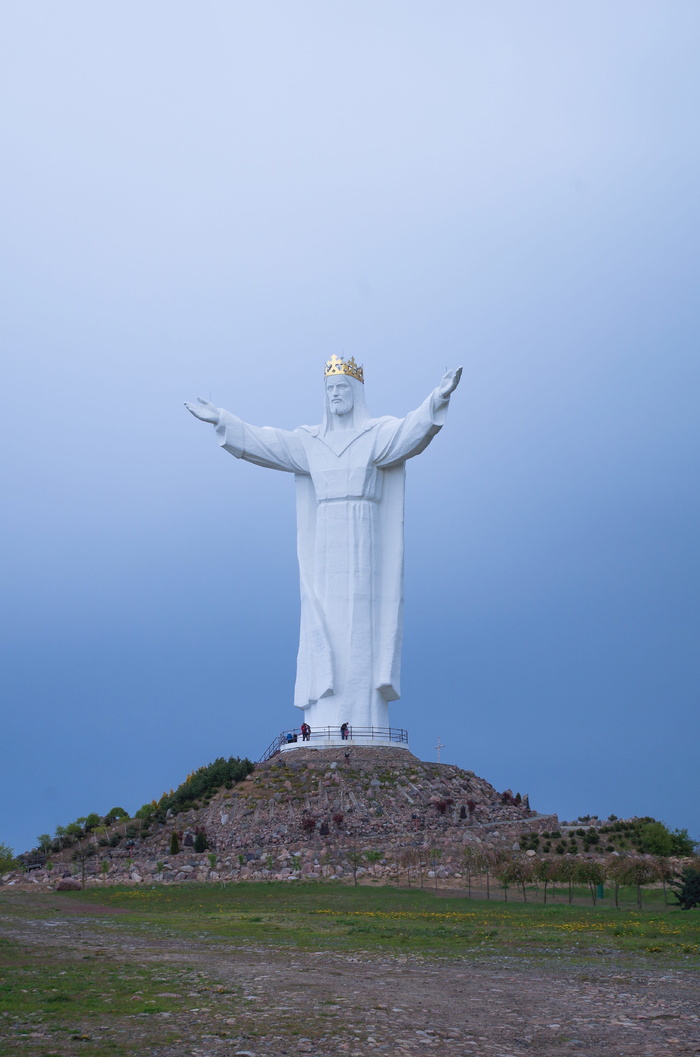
[350, 474]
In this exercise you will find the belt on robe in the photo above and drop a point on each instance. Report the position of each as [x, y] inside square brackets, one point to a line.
[347, 499]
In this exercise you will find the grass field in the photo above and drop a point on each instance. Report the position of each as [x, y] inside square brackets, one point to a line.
[70, 996]
[331, 917]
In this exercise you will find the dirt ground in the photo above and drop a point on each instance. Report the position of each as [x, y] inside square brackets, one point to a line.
[331, 1003]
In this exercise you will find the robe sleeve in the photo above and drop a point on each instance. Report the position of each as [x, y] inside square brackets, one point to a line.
[409, 436]
[277, 449]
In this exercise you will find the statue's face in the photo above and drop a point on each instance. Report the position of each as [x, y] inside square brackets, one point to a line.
[340, 395]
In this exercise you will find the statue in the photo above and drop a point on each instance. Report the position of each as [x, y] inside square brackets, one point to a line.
[350, 473]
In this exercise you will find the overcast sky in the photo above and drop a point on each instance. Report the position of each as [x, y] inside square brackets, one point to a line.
[211, 200]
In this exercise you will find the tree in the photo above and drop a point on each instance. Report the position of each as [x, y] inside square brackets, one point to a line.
[354, 857]
[483, 860]
[501, 863]
[565, 870]
[683, 845]
[407, 859]
[590, 872]
[513, 871]
[655, 839]
[665, 873]
[7, 858]
[637, 871]
[83, 852]
[44, 841]
[174, 843]
[200, 841]
[615, 872]
[435, 856]
[116, 813]
[469, 860]
[687, 887]
[544, 870]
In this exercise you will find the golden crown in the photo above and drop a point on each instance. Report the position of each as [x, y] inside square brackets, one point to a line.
[337, 366]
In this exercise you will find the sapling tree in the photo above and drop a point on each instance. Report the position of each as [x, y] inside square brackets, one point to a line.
[637, 872]
[565, 872]
[354, 857]
[665, 873]
[544, 870]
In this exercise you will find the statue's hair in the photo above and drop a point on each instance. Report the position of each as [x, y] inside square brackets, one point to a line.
[360, 414]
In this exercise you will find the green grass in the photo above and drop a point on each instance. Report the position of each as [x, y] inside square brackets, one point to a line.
[55, 1003]
[332, 917]
[56, 1000]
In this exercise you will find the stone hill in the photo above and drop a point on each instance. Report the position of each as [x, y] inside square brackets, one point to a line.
[309, 812]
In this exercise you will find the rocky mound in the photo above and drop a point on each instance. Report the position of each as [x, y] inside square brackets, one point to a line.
[312, 811]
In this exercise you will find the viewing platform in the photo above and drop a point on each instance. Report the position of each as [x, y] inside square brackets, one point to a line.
[331, 738]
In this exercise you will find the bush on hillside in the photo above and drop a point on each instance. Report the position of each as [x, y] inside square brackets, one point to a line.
[687, 888]
[7, 858]
[657, 839]
[205, 781]
[116, 813]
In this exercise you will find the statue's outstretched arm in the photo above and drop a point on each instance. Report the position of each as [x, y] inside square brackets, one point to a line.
[412, 435]
[276, 449]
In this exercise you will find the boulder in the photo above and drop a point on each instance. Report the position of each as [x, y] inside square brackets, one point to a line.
[68, 884]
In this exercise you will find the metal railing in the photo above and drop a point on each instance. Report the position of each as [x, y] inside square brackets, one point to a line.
[319, 735]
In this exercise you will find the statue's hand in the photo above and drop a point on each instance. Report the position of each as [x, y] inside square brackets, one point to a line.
[449, 383]
[204, 410]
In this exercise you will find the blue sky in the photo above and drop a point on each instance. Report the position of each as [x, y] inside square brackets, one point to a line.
[211, 200]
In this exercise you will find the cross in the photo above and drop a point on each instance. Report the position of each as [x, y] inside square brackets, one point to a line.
[438, 747]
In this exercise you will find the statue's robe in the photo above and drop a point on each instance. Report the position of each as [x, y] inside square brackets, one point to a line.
[350, 514]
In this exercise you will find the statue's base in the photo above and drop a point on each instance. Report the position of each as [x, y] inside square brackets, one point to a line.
[343, 743]
[331, 738]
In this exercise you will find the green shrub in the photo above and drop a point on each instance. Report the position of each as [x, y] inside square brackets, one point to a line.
[7, 858]
[174, 844]
[655, 838]
[200, 842]
[205, 781]
[118, 812]
[687, 887]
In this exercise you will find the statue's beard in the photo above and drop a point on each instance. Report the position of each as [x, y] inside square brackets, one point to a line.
[357, 413]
